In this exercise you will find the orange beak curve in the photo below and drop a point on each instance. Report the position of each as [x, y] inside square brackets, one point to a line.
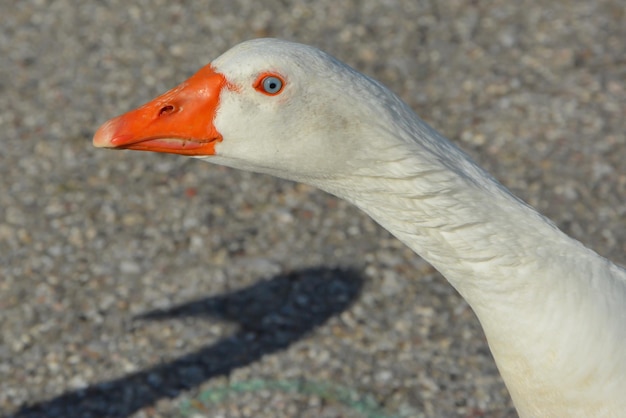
[177, 122]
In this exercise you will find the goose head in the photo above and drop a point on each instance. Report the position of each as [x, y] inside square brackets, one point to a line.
[267, 106]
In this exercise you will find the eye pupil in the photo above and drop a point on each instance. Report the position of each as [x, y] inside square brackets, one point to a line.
[272, 85]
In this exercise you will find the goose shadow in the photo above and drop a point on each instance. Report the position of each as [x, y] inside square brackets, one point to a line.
[271, 315]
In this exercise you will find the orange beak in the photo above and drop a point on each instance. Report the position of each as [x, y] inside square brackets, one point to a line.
[177, 122]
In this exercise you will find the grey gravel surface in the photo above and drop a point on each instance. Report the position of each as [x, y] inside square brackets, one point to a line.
[143, 285]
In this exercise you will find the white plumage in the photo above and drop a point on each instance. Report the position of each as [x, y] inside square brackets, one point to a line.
[554, 312]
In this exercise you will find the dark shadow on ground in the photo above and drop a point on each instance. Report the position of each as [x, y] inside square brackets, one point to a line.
[272, 315]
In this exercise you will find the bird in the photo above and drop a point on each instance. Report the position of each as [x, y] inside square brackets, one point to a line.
[552, 310]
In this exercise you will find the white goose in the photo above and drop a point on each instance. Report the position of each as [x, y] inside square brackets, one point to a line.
[554, 312]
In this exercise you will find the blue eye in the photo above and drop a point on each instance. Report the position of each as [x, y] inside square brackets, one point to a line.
[271, 84]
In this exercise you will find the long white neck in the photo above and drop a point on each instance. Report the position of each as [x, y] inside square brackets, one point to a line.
[553, 311]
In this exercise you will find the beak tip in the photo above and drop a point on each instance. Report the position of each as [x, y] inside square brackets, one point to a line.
[104, 136]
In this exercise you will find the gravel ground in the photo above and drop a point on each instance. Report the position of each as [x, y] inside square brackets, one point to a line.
[143, 285]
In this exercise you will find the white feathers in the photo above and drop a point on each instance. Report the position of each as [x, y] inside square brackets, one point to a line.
[553, 311]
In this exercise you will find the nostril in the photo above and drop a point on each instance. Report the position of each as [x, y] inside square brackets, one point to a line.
[166, 110]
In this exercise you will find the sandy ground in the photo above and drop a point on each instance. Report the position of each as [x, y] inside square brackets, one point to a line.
[145, 285]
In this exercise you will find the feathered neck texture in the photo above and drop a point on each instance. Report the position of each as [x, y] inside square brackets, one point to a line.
[552, 309]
